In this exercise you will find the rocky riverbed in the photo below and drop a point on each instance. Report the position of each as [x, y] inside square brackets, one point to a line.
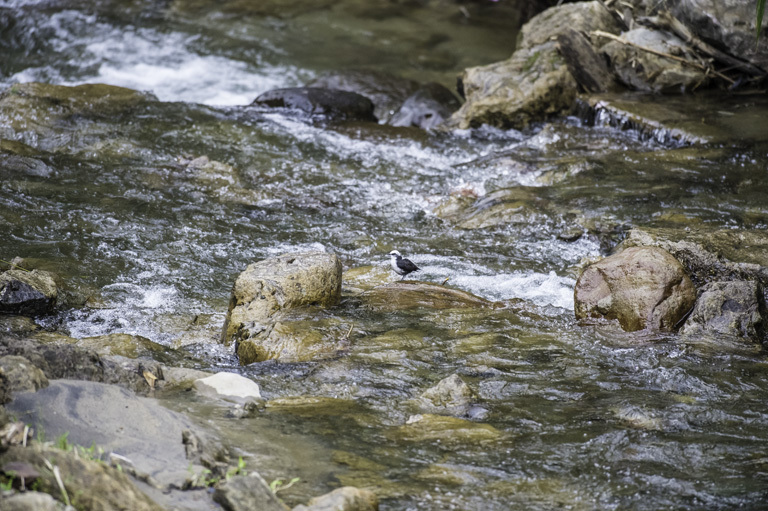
[196, 206]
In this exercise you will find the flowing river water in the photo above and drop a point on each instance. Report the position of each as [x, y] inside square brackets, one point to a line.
[578, 416]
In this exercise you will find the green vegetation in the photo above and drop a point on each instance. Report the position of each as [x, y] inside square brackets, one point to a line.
[760, 12]
[277, 484]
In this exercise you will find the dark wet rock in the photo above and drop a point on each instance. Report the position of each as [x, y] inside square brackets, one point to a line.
[247, 493]
[427, 108]
[30, 501]
[711, 255]
[331, 104]
[149, 435]
[27, 292]
[21, 375]
[735, 309]
[645, 71]
[387, 92]
[641, 287]
[451, 396]
[89, 484]
[675, 120]
[346, 498]
[403, 295]
[267, 290]
[535, 82]
[228, 386]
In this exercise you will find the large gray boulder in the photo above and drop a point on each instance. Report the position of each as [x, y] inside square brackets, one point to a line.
[732, 309]
[535, 82]
[152, 437]
[641, 287]
[267, 291]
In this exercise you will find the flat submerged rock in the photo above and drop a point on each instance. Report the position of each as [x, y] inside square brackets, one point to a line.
[682, 119]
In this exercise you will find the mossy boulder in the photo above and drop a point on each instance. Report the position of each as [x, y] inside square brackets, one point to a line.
[534, 82]
[266, 291]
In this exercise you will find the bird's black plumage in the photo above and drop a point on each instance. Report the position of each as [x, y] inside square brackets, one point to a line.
[401, 265]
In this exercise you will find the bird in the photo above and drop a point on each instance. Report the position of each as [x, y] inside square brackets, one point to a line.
[401, 265]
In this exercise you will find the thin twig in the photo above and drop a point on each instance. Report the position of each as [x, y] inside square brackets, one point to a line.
[14, 265]
[608, 35]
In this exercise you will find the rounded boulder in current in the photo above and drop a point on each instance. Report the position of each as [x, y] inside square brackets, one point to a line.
[641, 287]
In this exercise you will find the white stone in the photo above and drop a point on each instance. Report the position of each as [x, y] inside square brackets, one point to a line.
[229, 386]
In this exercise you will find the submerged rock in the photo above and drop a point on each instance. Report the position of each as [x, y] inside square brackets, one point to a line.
[427, 108]
[404, 295]
[516, 205]
[332, 104]
[27, 292]
[734, 309]
[641, 287]
[346, 498]
[447, 430]
[267, 290]
[40, 114]
[451, 396]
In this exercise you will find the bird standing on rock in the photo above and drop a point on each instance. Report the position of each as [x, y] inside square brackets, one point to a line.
[401, 265]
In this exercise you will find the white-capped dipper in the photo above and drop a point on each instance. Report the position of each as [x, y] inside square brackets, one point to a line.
[401, 265]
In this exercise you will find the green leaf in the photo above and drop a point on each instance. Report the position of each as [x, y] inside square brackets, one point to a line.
[760, 12]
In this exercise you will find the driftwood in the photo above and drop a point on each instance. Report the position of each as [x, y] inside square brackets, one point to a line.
[706, 69]
[664, 20]
[586, 66]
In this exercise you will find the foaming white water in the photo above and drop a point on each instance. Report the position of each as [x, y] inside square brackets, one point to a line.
[539, 288]
[162, 63]
[127, 308]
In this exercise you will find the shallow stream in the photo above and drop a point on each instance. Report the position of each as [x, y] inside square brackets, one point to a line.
[581, 417]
